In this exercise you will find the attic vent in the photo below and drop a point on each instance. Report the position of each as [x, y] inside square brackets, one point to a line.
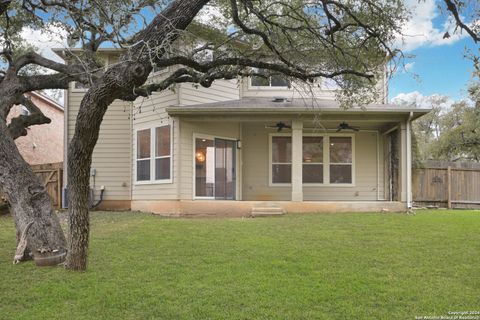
[279, 99]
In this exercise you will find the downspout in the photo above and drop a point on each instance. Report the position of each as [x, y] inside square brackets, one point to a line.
[409, 161]
[66, 116]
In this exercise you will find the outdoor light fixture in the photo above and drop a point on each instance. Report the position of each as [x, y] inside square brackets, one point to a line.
[200, 156]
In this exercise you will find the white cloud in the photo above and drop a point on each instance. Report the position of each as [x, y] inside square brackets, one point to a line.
[418, 100]
[45, 40]
[420, 29]
[409, 66]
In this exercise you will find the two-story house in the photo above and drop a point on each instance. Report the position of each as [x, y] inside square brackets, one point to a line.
[249, 146]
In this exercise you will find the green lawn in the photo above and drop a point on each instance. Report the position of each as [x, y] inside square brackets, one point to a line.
[323, 266]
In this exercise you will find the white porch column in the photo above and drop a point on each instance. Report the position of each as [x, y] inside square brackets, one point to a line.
[297, 183]
[406, 162]
[409, 161]
[403, 162]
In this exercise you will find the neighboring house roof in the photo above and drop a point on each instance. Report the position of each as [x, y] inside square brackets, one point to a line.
[46, 100]
[303, 106]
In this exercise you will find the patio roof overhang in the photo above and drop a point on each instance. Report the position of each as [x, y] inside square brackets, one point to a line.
[267, 106]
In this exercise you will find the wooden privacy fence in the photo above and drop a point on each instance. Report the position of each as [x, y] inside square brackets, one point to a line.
[52, 176]
[447, 187]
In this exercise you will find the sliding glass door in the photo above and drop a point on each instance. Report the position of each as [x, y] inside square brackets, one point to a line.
[215, 169]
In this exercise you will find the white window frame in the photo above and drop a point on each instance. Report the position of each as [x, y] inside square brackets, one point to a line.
[237, 166]
[271, 163]
[153, 157]
[324, 142]
[267, 88]
[341, 135]
[326, 160]
[194, 175]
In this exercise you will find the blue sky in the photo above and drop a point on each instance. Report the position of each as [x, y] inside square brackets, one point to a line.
[435, 70]
[438, 65]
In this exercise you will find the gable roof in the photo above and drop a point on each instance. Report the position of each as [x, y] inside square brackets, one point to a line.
[250, 106]
[46, 100]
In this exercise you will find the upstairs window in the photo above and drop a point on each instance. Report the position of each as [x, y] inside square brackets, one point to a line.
[275, 81]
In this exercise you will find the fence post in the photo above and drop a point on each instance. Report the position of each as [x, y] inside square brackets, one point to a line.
[59, 188]
[449, 187]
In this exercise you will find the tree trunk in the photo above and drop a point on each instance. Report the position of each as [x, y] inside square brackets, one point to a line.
[79, 163]
[120, 80]
[30, 203]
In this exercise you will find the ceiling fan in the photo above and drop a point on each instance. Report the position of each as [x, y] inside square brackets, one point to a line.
[279, 126]
[346, 126]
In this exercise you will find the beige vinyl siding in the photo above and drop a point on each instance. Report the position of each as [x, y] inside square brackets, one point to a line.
[255, 144]
[153, 115]
[302, 91]
[366, 172]
[221, 90]
[296, 91]
[111, 156]
[189, 94]
[255, 163]
[230, 130]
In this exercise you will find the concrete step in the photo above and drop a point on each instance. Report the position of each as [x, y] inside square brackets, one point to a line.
[267, 211]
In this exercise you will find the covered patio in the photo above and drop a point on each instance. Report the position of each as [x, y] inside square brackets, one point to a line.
[267, 155]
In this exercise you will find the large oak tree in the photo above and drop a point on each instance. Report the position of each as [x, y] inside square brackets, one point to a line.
[345, 40]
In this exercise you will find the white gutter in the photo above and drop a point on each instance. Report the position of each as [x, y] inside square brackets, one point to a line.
[409, 161]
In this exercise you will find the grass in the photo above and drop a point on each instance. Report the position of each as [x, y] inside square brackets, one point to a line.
[331, 266]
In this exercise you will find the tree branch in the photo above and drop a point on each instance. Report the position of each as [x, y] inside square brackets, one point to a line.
[18, 126]
[299, 72]
[46, 81]
[453, 9]
[35, 58]
[4, 6]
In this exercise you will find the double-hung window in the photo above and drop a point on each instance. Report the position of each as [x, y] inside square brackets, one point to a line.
[341, 160]
[281, 159]
[162, 153]
[154, 155]
[143, 155]
[312, 159]
[326, 159]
